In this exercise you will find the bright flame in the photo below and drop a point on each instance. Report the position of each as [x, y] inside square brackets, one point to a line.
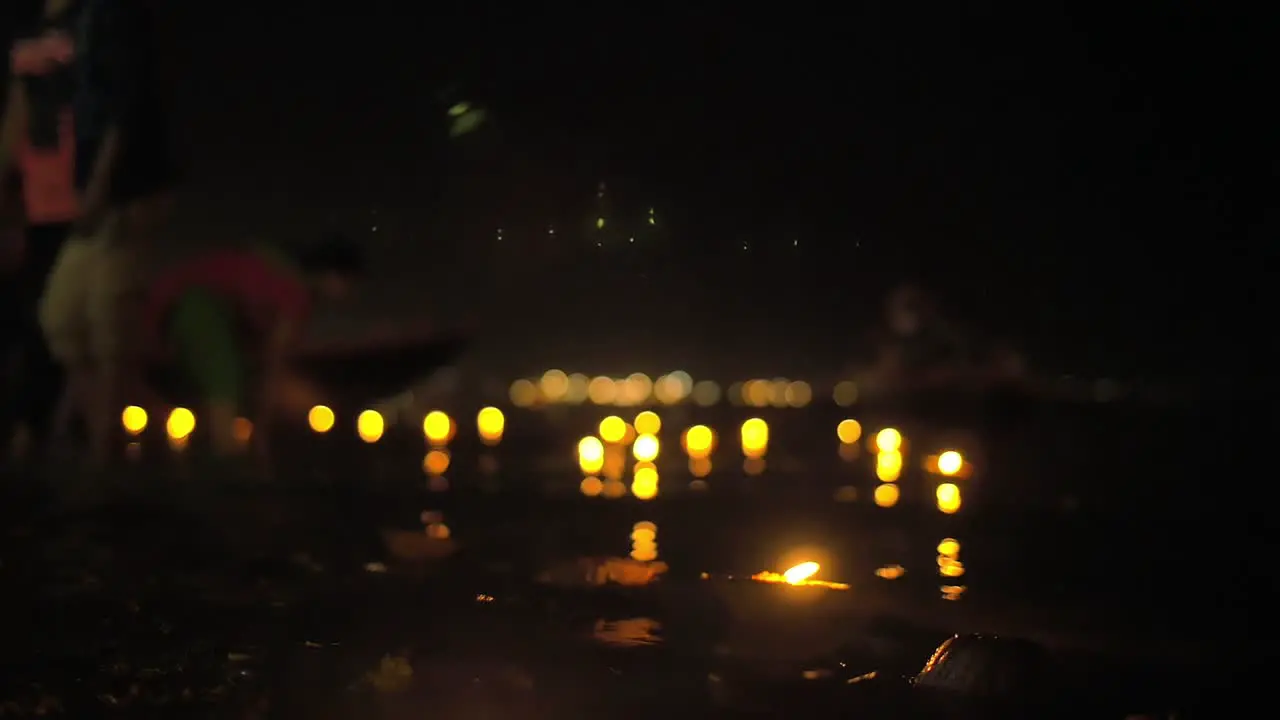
[645, 448]
[438, 427]
[320, 418]
[950, 462]
[801, 572]
[370, 426]
[181, 423]
[134, 420]
[490, 423]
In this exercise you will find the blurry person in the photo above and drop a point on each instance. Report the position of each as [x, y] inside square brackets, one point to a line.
[122, 172]
[919, 346]
[232, 318]
[37, 188]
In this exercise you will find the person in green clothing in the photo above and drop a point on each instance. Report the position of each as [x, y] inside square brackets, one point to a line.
[231, 319]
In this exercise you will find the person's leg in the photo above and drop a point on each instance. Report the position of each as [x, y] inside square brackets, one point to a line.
[42, 376]
[203, 331]
[62, 317]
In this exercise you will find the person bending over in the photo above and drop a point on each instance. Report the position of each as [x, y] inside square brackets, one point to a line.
[231, 319]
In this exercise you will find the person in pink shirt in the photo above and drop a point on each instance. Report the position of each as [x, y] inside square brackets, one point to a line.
[230, 319]
[37, 155]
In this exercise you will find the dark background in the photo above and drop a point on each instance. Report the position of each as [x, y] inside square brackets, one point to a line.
[1086, 184]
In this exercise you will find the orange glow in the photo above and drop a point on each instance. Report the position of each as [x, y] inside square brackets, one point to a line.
[370, 426]
[799, 576]
[849, 431]
[321, 419]
[699, 467]
[241, 430]
[134, 420]
[436, 462]
[591, 486]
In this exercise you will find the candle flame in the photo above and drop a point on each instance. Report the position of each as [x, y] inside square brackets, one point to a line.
[801, 572]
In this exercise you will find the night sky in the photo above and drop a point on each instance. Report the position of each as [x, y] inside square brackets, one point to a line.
[1079, 183]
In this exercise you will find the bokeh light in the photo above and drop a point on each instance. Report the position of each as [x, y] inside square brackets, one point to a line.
[613, 429]
[436, 462]
[644, 541]
[948, 495]
[590, 455]
[645, 448]
[798, 394]
[845, 393]
[950, 463]
[242, 430]
[755, 437]
[523, 393]
[699, 441]
[554, 386]
[591, 486]
[181, 423]
[889, 466]
[370, 426]
[490, 424]
[888, 440]
[706, 393]
[648, 423]
[134, 420]
[645, 484]
[849, 431]
[886, 495]
[321, 419]
[602, 390]
[438, 427]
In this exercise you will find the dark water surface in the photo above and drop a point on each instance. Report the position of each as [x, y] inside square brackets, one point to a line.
[334, 591]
